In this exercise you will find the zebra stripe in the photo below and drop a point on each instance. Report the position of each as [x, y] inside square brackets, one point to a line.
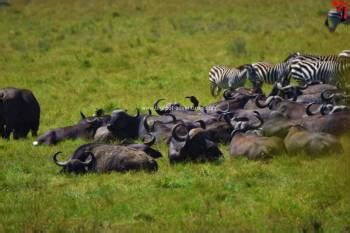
[344, 54]
[301, 56]
[331, 72]
[262, 72]
[222, 77]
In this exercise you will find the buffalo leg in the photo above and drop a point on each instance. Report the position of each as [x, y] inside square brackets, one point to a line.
[7, 131]
[34, 133]
[16, 134]
[2, 130]
[34, 129]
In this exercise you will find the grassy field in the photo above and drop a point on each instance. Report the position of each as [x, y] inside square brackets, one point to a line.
[84, 54]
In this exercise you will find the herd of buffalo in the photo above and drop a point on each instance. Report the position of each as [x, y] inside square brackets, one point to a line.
[293, 119]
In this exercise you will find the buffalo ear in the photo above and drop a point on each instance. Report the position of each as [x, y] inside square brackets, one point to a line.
[82, 115]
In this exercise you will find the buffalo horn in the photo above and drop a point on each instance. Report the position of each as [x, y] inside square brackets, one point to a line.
[263, 105]
[82, 115]
[178, 137]
[339, 109]
[91, 157]
[91, 121]
[149, 142]
[138, 113]
[308, 109]
[157, 109]
[261, 121]
[227, 95]
[61, 164]
[326, 109]
[236, 131]
[145, 124]
[202, 124]
[326, 95]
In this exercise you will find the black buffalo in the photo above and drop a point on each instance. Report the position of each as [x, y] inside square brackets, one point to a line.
[19, 113]
[85, 130]
[123, 126]
[106, 158]
[191, 145]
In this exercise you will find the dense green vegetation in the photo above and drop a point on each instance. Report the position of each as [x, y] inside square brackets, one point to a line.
[82, 55]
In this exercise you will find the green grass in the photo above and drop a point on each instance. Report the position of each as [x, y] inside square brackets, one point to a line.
[83, 55]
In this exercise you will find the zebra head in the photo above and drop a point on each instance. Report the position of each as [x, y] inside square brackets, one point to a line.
[218, 79]
[251, 74]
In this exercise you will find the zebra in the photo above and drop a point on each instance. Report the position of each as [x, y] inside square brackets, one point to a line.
[345, 54]
[222, 77]
[263, 72]
[328, 72]
[334, 18]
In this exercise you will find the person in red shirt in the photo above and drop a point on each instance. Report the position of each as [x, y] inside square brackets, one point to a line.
[342, 8]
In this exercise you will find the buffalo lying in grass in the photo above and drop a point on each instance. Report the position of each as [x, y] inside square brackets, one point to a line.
[146, 146]
[182, 113]
[300, 140]
[287, 108]
[124, 126]
[277, 125]
[311, 93]
[19, 113]
[85, 130]
[191, 145]
[106, 158]
[160, 126]
[328, 119]
[233, 100]
[247, 142]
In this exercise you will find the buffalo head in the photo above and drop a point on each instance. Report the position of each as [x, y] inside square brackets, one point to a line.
[76, 166]
[122, 125]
